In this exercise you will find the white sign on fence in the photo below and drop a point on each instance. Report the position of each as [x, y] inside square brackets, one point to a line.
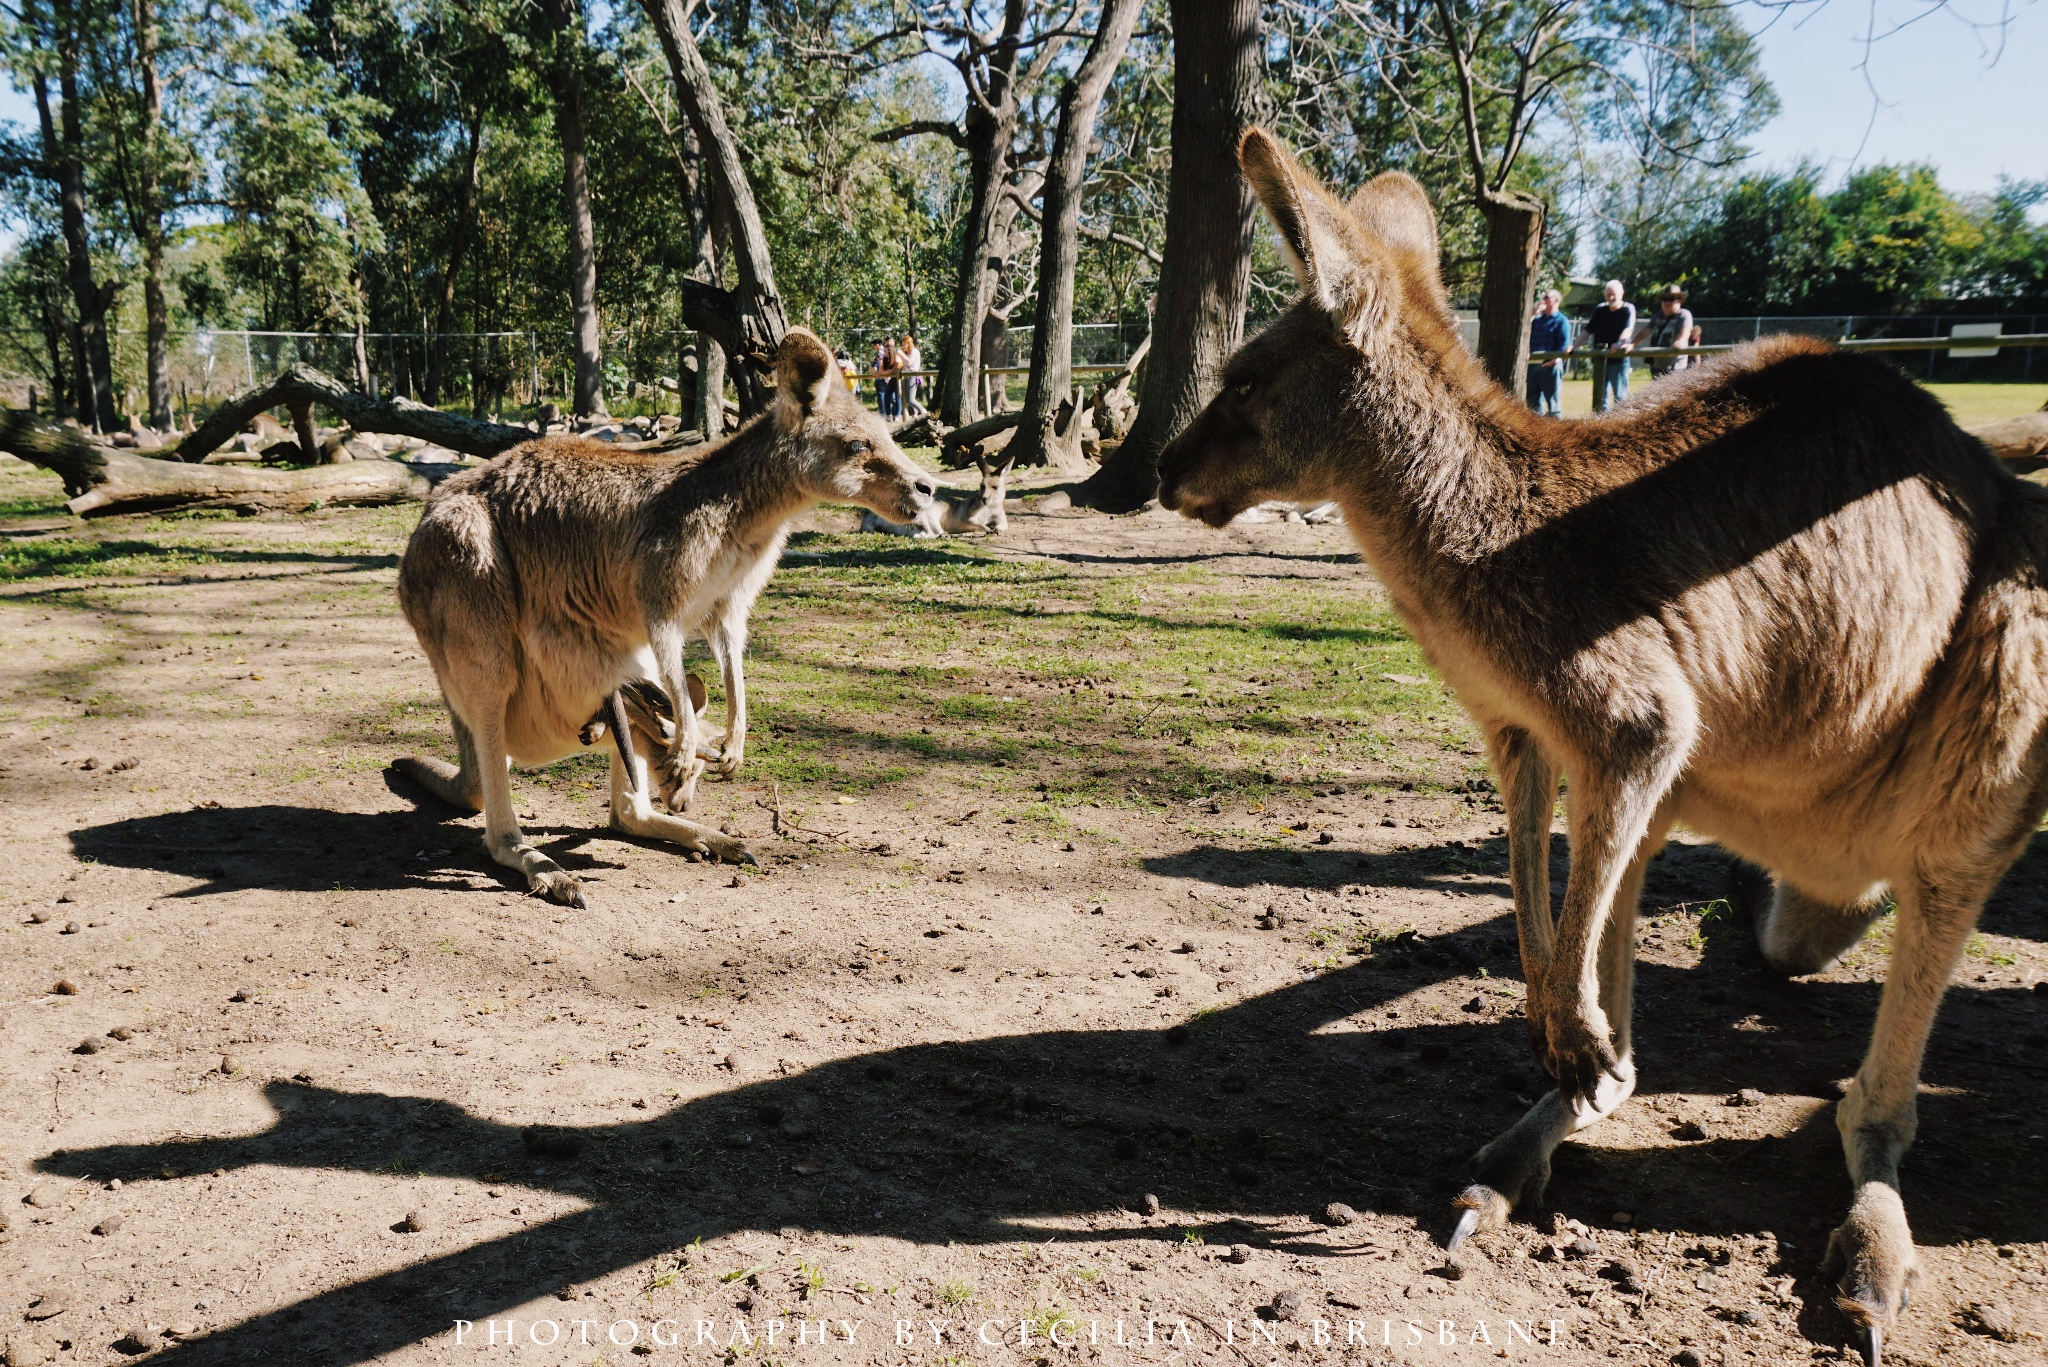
[1962, 330]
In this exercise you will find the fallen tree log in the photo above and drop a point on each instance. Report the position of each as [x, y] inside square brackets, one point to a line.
[302, 386]
[102, 480]
[961, 445]
[2022, 442]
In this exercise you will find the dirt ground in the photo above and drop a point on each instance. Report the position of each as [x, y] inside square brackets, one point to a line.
[1079, 984]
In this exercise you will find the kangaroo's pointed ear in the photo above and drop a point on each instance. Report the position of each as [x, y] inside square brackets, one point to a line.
[1393, 208]
[1003, 465]
[804, 371]
[1393, 211]
[1319, 235]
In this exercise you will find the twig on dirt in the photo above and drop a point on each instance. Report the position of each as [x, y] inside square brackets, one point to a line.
[965, 817]
[777, 821]
[1220, 1337]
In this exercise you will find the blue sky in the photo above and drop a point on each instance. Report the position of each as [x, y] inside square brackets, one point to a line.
[1947, 95]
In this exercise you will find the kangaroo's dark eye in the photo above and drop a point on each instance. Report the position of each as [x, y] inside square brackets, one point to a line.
[858, 447]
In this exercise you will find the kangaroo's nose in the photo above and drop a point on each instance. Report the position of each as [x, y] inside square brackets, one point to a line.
[928, 488]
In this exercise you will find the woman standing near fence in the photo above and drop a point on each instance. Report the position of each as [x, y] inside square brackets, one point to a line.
[913, 383]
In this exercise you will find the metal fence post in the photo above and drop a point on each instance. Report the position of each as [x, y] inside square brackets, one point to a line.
[533, 359]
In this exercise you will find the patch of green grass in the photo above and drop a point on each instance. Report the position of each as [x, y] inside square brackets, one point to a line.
[1709, 912]
[1048, 1321]
[875, 661]
[956, 1293]
[29, 491]
[71, 557]
[1977, 947]
[1975, 403]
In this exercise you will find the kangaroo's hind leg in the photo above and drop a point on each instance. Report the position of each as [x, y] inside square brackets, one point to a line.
[478, 692]
[1877, 1117]
[458, 785]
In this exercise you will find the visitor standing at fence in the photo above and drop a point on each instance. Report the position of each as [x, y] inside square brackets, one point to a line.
[885, 379]
[913, 383]
[1611, 331]
[1548, 331]
[1672, 327]
[844, 360]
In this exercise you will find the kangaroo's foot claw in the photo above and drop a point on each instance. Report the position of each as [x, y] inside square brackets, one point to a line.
[557, 886]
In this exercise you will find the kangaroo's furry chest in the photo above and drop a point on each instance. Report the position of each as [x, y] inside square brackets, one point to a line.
[727, 581]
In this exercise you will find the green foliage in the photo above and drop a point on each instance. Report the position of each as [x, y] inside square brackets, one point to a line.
[312, 169]
[291, 136]
[1886, 240]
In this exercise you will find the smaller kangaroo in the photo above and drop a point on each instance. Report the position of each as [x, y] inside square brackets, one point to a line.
[553, 590]
[957, 512]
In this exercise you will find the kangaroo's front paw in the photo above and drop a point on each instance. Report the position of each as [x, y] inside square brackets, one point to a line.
[1874, 1249]
[729, 757]
[677, 780]
[1577, 1049]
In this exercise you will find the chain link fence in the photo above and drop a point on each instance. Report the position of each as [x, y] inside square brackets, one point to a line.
[504, 374]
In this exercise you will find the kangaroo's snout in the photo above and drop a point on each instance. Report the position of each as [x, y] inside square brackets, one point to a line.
[1193, 478]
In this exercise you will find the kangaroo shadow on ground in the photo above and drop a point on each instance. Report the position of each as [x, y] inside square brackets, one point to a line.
[314, 849]
[1267, 1108]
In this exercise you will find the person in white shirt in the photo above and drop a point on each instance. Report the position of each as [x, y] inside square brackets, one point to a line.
[913, 384]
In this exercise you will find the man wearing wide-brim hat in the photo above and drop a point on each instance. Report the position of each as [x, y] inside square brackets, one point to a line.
[1672, 327]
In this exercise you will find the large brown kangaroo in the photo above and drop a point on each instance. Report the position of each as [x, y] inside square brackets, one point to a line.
[553, 590]
[1779, 597]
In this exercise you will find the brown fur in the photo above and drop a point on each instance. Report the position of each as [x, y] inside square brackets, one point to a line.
[565, 569]
[1779, 597]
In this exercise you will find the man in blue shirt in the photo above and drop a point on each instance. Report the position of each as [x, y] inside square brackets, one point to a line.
[1611, 332]
[1548, 331]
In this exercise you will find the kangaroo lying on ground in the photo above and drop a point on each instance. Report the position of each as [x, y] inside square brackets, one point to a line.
[553, 590]
[957, 512]
[1779, 597]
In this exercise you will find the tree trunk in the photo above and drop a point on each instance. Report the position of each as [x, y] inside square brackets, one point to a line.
[990, 126]
[63, 156]
[909, 287]
[1042, 438]
[458, 247]
[1514, 247]
[757, 320]
[565, 83]
[150, 218]
[1218, 92]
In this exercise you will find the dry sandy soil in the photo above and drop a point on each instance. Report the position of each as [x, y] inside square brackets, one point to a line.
[1003, 1036]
